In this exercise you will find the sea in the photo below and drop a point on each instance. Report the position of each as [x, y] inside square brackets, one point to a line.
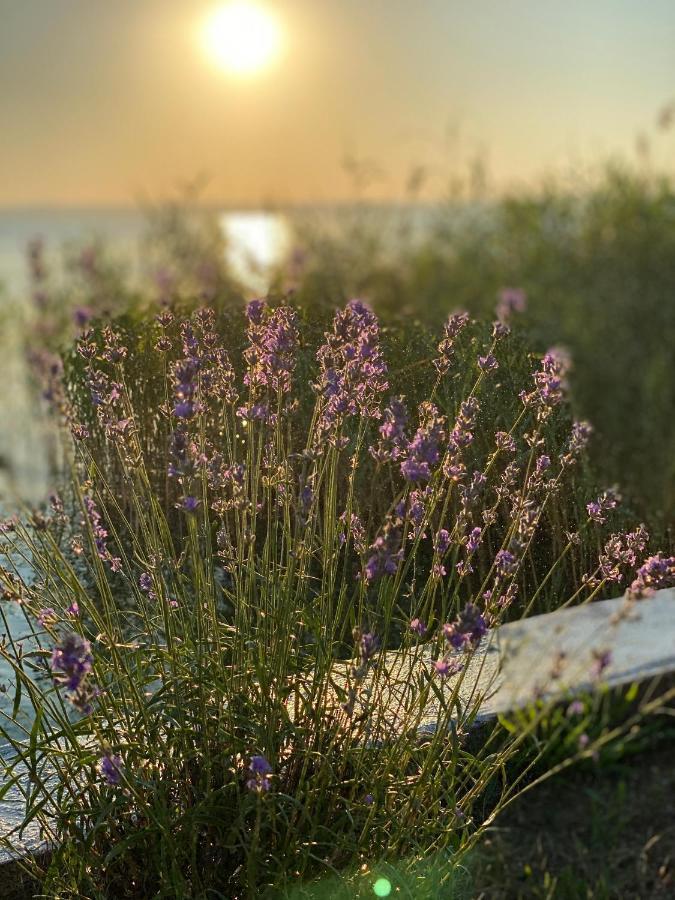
[256, 241]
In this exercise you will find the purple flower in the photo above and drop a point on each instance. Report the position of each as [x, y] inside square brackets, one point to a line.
[386, 553]
[442, 667]
[100, 535]
[454, 469]
[145, 584]
[110, 767]
[369, 644]
[487, 363]
[73, 658]
[510, 300]
[576, 708]
[656, 572]
[394, 422]
[72, 662]
[415, 510]
[620, 551]
[163, 344]
[369, 799]
[273, 343]
[505, 442]
[190, 504]
[442, 541]
[185, 373]
[471, 493]
[578, 441]
[74, 609]
[423, 451]
[356, 532]
[505, 563]
[445, 667]
[79, 432]
[165, 318]
[255, 310]
[260, 766]
[82, 316]
[184, 409]
[461, 435]
[231, 479]
[46, 616]
[8, 525]
[113, 349]
[562, 357]
[467, 630]
[595, 511]
[598, 509]
[543, 463]
[352, 371]
[418, 627]
[549, 387]
[446, 349]
[473, 541]
[257, 412]
[393, 438]
[260, 770]
[145, 581]
[413, 470]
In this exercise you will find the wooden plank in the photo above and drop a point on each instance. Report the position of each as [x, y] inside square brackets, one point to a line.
[544, 657]
[639, 638]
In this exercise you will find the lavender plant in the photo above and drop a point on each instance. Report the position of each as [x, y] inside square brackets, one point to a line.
[216, 709]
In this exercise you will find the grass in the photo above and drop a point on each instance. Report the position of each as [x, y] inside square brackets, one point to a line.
[601, 833]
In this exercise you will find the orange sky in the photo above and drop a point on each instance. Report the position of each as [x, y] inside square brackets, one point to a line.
[101, 102]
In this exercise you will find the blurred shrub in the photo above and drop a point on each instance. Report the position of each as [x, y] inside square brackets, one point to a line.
[598, 267]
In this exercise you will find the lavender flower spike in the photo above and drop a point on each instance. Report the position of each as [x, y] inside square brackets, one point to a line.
[72, 662]
[260, 770]
[418, 627]
[73, 658]
[110, 767]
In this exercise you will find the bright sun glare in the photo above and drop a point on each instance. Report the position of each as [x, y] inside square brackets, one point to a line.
[242, 37]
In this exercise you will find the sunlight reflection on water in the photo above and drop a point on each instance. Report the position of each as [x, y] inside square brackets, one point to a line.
[257, 242]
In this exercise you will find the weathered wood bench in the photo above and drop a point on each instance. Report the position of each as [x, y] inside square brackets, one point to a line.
[546, 657]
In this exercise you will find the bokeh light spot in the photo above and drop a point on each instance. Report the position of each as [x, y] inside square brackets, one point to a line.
[382, 887]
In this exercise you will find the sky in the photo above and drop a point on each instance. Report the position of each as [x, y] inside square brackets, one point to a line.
[104, 102]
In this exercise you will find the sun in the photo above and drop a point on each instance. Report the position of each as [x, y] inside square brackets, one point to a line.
[241, 37]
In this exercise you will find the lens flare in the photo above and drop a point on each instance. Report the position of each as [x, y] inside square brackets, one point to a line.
[382, 887]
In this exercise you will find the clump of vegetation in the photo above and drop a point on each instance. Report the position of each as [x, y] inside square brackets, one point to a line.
[595, 261]
[240, 530]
